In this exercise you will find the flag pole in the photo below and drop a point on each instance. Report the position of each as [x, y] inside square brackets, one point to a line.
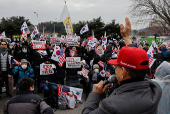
[65, 1]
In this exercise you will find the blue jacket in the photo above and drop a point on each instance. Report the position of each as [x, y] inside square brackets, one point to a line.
[165, 53]
[17, 71]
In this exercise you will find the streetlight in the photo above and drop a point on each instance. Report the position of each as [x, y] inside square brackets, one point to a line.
[54, 26]
[38, 22]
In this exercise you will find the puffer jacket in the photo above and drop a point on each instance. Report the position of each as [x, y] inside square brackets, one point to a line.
[27, 103]
[17, 71]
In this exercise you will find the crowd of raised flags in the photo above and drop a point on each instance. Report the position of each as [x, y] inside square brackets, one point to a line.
[2, 35]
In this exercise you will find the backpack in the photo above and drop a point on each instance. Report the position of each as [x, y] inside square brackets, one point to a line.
[62, 101]
[52, 99]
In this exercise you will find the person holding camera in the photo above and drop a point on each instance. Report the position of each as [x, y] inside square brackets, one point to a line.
[26, 102]
[136, 93]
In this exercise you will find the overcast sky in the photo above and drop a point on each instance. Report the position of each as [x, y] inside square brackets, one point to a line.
[79, 10]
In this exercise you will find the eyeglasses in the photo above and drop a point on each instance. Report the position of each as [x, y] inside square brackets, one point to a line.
[3, 44]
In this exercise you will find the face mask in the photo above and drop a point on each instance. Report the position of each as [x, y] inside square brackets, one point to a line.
[24, 66]
[96, 70]
[51, 51]
[163, 48]
[24, 51]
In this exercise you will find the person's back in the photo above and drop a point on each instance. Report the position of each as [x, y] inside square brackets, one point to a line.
[162, 77]
[133, 98]
[26, 102]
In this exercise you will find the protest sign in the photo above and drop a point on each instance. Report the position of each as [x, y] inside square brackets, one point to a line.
[73, 62]
[39, 44]
[16, 38]
[72, 42]
[46, 69]
[54, 41]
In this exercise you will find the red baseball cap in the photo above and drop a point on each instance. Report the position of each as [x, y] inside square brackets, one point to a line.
[131, 57]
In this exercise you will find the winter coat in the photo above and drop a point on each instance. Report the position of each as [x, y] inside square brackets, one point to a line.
[95, 77]
[165, 52]
[17, 71]
[27, 103]
[72, 77]
[132, 97]
[7, 59]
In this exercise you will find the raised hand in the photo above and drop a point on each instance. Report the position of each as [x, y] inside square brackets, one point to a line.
[125, 32]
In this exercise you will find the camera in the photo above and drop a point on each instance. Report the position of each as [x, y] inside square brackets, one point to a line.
[161, 57]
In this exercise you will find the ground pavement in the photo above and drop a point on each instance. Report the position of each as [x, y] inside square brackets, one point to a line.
[77, 110]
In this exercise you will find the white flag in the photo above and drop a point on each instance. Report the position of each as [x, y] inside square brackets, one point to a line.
[78, 92]
[62, 39]
[84, 29]
[65, 18]
[3, 34]
[24, 26]
[56, 54]
[104, 40]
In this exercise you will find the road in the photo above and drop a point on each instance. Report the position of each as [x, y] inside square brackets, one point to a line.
[68, 111]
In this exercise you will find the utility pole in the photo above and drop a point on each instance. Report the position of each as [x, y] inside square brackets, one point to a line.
[38, 22]
[43, 30]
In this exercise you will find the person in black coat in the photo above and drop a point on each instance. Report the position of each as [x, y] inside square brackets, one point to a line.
[24, 54]
[72, 76]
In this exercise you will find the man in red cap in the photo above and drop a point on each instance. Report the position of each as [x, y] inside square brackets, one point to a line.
[136, 93]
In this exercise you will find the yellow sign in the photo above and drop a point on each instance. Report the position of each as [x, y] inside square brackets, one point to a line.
[68, 25]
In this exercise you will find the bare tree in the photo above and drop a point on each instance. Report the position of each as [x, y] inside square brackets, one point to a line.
[157, 11]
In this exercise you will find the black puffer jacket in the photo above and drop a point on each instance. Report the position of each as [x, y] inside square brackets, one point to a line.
[27, 103]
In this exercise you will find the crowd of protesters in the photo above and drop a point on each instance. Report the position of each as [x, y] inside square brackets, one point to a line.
[31, 59]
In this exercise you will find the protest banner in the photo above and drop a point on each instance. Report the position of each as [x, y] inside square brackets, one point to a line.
[72, 42]
[46, 69]
[73, 62]
[39, 44]
[54, 41]
[16, 38]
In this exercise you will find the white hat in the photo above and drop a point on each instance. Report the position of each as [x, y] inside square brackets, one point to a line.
[83, 61]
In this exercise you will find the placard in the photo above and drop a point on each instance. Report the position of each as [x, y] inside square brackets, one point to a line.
[39, 44]
[73, 62]
[72, 42]
[46, 69]
[16, 38]
[55, 41]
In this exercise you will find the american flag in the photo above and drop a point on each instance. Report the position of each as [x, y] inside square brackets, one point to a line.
[150, 56]
[61, 57]
[84, 72]
[108, 74]
[27, 31]
[102, 64]
[150, 60]
[45, 37]
[15, 62]
[62, 89]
